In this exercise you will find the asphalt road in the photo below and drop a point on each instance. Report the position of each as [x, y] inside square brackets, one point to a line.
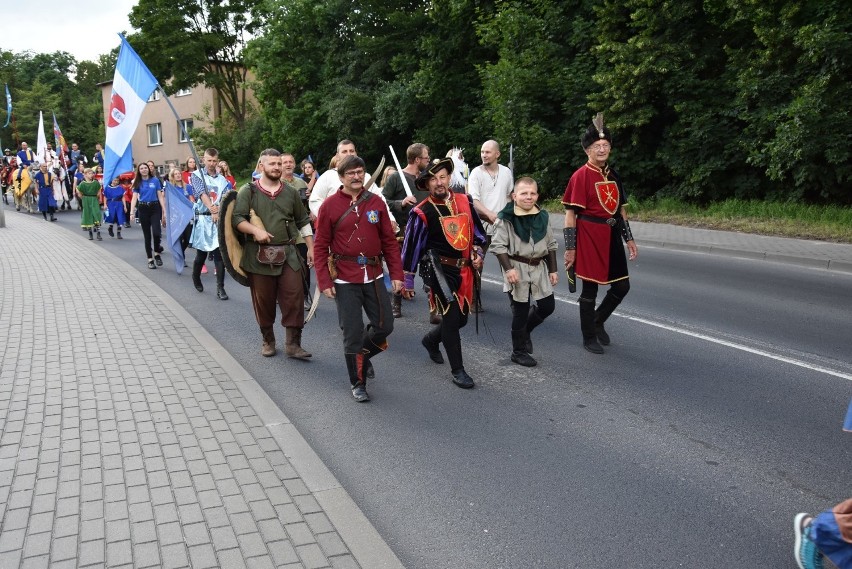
[712, 419]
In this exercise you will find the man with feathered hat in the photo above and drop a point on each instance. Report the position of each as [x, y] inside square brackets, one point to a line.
[595, 224]
[444, 237]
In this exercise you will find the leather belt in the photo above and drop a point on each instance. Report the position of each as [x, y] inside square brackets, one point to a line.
[451, 262]
[611, 221]
[360, 259]
[532, 261]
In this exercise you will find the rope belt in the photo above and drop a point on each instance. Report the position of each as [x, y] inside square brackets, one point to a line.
[611, 221]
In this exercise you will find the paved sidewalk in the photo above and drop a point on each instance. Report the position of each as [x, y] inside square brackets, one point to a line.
[817, 254]
[130, 438]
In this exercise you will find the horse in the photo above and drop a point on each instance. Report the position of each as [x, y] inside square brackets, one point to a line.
[458, 182]
[25, 190]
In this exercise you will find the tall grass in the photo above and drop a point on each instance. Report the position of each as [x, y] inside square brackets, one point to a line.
[788, 219]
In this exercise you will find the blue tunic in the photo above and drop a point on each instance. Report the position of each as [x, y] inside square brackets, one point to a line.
[45, 191]
[205, 234]
[114, 196]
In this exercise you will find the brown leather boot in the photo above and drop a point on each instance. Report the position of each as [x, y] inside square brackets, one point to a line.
[293, 344]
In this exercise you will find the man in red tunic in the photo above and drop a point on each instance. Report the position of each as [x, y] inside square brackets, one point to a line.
[595, 223]
[354, 231]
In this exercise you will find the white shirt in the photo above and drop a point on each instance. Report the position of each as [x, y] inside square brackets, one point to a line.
[494, 193]
[326, 185]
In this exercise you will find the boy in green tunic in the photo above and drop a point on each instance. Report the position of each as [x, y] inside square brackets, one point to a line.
[87, 193]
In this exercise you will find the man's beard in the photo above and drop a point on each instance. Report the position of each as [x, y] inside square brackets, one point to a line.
[440, 192]
[274, 176]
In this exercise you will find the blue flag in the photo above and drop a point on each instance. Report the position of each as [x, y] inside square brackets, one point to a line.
[847, 424]
[178, 215]
[8, 106]
[132, 84]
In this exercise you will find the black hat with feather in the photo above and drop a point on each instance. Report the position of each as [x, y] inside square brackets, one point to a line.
[596, 131]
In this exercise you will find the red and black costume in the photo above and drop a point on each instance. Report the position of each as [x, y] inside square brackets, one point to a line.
[451, 228]
[597, 198]
[596, 195]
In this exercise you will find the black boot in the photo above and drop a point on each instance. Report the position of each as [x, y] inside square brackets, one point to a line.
[98, 232]
[119, 233]
[519, 352]
[355, 367]
[109, 230]
[370, 349]
[91, 235]
[462, 379]
[196, 274]
[533, 320]
[432, 343]
[220, 280]
[587, 325]
[605, 309]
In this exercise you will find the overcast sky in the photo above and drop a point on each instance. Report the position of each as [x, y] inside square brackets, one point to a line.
[83, 28]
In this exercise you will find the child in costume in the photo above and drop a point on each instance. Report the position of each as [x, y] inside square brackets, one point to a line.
[87, 192]
[526, 248]
[114, 198]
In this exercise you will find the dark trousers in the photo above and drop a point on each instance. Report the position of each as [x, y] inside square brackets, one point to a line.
[618, 288]
[184, 238]
[544, 307]
[356, 299]
[447, 332]
[151, 218]
[285, 290]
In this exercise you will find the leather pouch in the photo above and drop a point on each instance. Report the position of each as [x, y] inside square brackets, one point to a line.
[272, 254]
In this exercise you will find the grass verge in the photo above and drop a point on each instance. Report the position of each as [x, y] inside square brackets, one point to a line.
[825, 223]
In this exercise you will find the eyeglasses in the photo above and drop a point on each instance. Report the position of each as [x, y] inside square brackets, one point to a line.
[599, 147]
[354, 173]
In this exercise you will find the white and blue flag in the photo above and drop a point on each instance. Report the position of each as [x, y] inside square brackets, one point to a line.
[179, 213]
[132, 85]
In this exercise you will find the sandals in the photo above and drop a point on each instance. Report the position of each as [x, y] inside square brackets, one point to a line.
[151, 264]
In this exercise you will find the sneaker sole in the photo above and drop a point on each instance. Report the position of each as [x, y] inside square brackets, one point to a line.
[797, 529]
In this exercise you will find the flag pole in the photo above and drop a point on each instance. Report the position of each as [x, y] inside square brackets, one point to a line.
[188, 140]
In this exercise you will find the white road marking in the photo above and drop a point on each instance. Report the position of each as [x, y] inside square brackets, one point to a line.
[719, 341]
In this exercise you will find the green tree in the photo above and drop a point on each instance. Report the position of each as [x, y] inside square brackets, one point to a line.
[192, 42]
[793, 91]
[536, 90]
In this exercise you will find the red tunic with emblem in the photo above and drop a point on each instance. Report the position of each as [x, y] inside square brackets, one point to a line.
[597, 196]
[364, 231]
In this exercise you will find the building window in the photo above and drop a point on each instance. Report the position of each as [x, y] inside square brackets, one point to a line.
[155, 134]
[155, 96]
[183, 92]
[187, 126]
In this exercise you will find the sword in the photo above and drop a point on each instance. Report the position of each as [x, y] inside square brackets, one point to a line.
[440, 278]
[314, 304]
[401, 174]
[375, 175]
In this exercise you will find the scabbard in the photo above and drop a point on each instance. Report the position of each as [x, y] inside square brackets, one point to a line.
[571, 273]
[442, 287]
